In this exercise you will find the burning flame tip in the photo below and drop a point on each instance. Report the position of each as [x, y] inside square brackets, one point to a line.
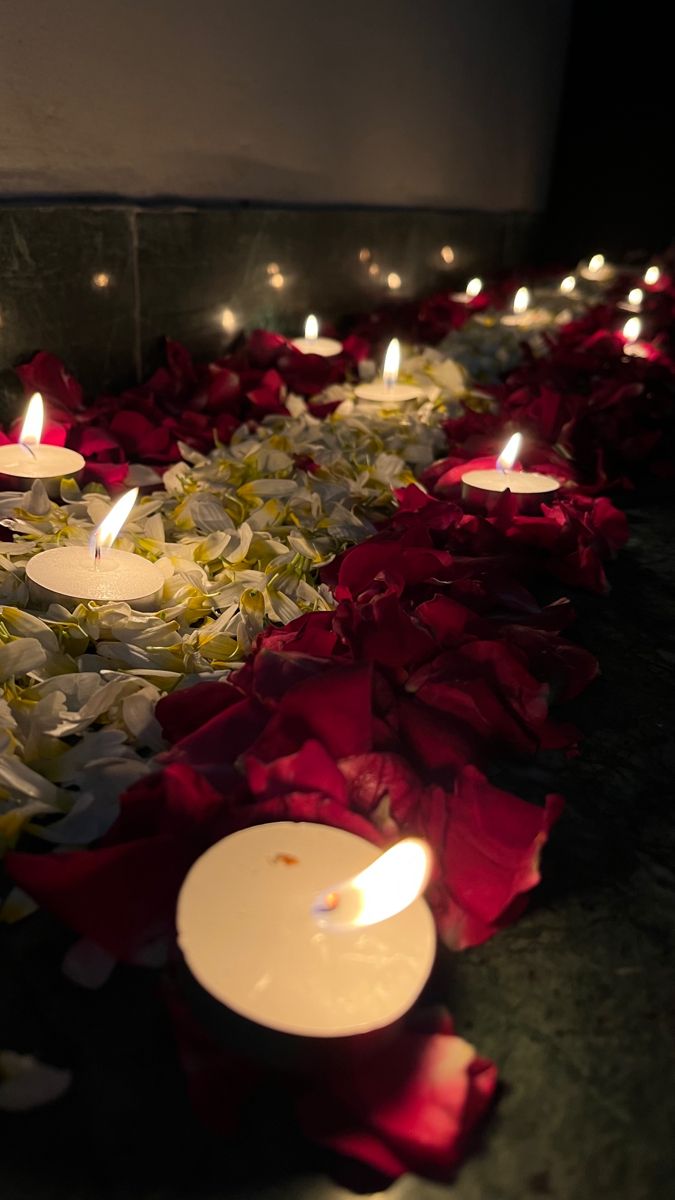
[311, 328]
[392, 362]
[31, 431]
[383, 890]
[510, 454]
[104, 535]
[521, 300]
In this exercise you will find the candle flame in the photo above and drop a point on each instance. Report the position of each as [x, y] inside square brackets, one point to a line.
[521, 300]
[636, 296]
[474, 287]
[652, 275]
[31, 431]
[388, 886]
[311, 328]
[104, 535]
[568, 284]
[631, 330]
[392, 362]
[510, 453]
[596, 262]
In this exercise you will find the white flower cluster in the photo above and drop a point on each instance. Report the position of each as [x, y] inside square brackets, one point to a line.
[239, 536]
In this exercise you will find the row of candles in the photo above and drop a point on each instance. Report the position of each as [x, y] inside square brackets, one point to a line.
[266, 938]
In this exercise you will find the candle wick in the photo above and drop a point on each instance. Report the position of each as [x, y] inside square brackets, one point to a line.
[328, 902]
[97, 555]
[27, 446]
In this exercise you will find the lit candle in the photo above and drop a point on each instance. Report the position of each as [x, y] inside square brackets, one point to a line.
[597, 270]
[280, 953]
[568, 284]
[473, 288]
[29, 459]
[524, 317]
[483, 489]
[386, 389]
[633, 302]
[652, 275]
[311, 343]
[70, 574]
[633, 347]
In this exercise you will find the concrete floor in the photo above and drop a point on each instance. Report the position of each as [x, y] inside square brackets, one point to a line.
[576, 1003]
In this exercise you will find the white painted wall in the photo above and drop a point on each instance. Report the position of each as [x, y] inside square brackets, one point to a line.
[446, 103]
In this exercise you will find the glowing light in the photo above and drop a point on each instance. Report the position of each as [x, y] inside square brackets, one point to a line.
[31, 431]
[474, 287]
[447, 254]
[364, 254]
[104, 535]
[568, 284]
[652, 275]
[277, 280]
[636, 296]
[393, 281]
[388, 886]
[100, 280]
[373, 269]
[510, 453]
[272, 268]
[311, 328]
[596, 262]
[392, 362]
[631, 330]
[229, 322]
[521, 300]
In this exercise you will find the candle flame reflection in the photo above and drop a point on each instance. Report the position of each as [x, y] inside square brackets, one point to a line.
[521, 300]
[474, 287]
[392, 362]
[311, 328]
[31, 431]
[388, 886]
[631, 330]
[104, 535]
[510, 453]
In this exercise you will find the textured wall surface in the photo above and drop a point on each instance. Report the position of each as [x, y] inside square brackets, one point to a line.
[395, 102]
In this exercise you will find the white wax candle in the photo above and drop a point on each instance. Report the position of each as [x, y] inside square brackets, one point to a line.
[323, 346]
[249, 934]
[20, 466]
[68, 574]
[484, 488]
[531, 318]
[381, 392]
[597, 270]
[311, 343]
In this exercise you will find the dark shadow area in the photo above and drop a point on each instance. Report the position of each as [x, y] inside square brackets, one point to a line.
[611, 188]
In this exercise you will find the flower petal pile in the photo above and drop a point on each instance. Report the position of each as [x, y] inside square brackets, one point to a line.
[338, 640]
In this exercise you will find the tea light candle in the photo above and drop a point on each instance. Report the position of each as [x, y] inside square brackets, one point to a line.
[597, 270]
[473, 288]
[70, 574]
[524, 317]
[267, 934]
[633, 347]
[483, 489]
[22, 462]
[311, 343]
[633, 301]
[387, 390]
